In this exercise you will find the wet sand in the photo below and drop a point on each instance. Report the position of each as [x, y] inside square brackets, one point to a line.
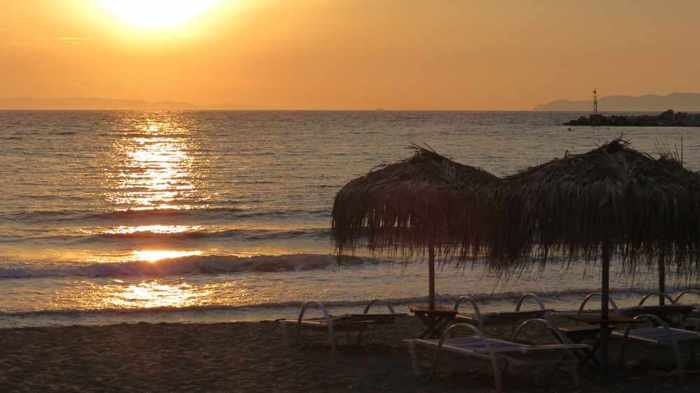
[252, 357]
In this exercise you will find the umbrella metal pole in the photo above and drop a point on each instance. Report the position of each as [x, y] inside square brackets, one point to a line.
[605, 299]
[662, 279]
[431, 277]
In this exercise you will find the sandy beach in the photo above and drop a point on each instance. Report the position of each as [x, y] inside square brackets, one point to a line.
[247, 357]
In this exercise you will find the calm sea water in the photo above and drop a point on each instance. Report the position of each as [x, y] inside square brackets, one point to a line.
[208, 216]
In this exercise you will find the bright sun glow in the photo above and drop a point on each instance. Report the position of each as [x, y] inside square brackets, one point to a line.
[157, 13]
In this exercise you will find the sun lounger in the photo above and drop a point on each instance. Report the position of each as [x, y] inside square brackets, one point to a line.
[661, 334]
[670, 312]
[479, 318]
[585, 327]
[588, 316]
[692, 320]
[332, 324]
[501, 354]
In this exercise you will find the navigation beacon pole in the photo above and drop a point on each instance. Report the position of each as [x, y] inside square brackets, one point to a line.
[595, 100]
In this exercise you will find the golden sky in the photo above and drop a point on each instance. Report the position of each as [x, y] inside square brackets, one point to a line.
[351, 54]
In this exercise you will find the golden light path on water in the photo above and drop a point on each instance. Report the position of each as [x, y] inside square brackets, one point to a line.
[125, 229]
[152, 294]
[154, 171]
[155, 166]
[159, 255]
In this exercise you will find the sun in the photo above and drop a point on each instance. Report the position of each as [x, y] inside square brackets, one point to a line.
[155, 14]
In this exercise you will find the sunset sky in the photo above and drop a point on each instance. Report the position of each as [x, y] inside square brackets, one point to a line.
[348, 54]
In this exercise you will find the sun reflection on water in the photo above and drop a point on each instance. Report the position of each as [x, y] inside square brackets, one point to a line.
[153, 166]
[159, 255]
[159, 229]
[155, 294]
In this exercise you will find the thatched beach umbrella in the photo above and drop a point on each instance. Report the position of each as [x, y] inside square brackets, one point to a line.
[425, 204]
[610, 202]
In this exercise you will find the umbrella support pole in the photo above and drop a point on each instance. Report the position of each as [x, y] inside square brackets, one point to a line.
[662, 278]
[431, 277]
[605, 299]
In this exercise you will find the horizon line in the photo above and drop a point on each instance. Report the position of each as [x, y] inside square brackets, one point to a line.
[205, 109]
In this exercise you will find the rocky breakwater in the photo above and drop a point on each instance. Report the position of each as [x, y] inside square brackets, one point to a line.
[668, 118]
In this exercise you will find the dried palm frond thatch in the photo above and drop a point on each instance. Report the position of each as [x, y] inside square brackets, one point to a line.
[411, 206]
[639, 206]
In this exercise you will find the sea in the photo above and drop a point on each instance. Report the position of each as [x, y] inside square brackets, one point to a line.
[198, 217]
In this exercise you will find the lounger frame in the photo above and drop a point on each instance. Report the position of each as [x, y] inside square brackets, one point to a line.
[670, 338]
[480, 318]
[330, 324]
[500, 354]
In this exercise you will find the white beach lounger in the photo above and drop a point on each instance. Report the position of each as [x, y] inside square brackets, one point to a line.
[582, 314]
[671, 312]
[661, 335]
[332, 324]
[692, 320]
[501, 354]
[479, 318]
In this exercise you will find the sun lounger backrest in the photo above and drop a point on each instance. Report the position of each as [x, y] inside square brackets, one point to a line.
[377, 301]
[657, 294]
[591, 296]
[314, 304]
[532, 296]
[687, 292]
[472, 301]
[478, 335]
[559, 336]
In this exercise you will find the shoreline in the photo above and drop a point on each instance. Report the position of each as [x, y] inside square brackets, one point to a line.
[245, 357]
[211, 314]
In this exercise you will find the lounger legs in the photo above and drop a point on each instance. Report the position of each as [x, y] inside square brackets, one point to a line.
[414, 358]
[285, 334]
[498, 374]
[332, 340]
[680, 367]
[497, 367]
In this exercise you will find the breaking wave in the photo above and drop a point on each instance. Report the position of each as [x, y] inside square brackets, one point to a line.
[62, 216]
[193, 234]
[191, 265]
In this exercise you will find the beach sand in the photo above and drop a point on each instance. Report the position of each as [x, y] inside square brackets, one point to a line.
[248, 357]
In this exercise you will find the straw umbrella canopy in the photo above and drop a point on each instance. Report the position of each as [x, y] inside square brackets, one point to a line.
[610, 202]
[424, 204]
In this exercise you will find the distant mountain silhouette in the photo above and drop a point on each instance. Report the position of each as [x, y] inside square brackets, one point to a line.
[688, 102]
[89, 103]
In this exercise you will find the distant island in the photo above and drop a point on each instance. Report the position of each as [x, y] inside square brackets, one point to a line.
[668, 118]
[687, 102]
[88, 103]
